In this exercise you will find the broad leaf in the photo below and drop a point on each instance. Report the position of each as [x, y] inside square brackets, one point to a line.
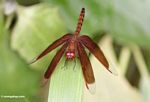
[37, 27]
[17, 79]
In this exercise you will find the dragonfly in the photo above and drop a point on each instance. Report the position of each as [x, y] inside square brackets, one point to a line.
[72, 47]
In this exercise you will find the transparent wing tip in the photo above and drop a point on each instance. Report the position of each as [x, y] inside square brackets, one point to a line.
[92, 88]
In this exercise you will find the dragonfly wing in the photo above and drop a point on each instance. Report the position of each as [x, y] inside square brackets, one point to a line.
[95, 50]
[53, 46]
[55, 61]
[86, 68]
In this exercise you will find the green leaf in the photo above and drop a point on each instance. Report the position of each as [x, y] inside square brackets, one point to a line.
[37, 27]
[17, 79]
[66, 84]
[126, 20]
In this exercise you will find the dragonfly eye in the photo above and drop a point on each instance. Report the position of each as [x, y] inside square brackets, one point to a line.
[70, 55]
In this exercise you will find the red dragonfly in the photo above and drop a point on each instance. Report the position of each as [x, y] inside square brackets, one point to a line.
[73, 45]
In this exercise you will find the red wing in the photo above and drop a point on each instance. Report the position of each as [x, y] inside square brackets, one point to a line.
[53, 46]
[95, 50]
[55, 61]
[86, 67]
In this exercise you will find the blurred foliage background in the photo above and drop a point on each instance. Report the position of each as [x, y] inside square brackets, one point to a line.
[120, 27]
